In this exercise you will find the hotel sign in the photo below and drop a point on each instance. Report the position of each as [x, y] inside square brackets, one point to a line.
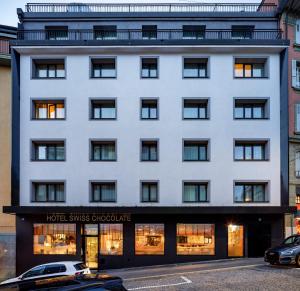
[88, 217]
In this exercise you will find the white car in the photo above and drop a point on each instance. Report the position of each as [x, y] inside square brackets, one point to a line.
[52, 269]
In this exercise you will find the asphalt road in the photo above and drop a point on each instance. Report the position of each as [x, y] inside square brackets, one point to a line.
[237, 274]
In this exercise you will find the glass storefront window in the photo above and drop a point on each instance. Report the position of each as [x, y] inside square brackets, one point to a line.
[195, 239]
[54, 239]
[91, 229]
[235, 240]
[149, 239]
[111, 239]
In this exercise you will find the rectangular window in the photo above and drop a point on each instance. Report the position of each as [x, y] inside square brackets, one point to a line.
[103, 68]
[149, 151]
[111, 239]
[103, 192]
[48, 109]
[149, 239]
[56, 32]
[103, 151]
[105, 32]
[297, 34]
[195, 68]
[297, 118]
[195, 150]
[149, 31]
[235, 240]
[195, 108]
[250, 192]
[48, 69]
[193, 31]
[250, 151]
[297, 164]
[149, 192]
[149, 67]
[195, 192]
[250, 68]
[195, 239]
[48, 192]
[48, 151]
[250, 108]
[296, 74]
[242, 31]
[149, 109]
[54, 239]
[298, 199]
[103, 109]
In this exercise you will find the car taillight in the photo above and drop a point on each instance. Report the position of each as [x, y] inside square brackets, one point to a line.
[78, 273]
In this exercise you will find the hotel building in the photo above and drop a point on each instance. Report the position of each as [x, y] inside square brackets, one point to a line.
[148, 133]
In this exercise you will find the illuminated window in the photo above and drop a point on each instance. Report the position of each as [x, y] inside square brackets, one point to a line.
[195, 239]
[149, 239]
[111, 239]
[297, 199]
[250, 68]
[54, 239]
[48, 109]
[235, 240]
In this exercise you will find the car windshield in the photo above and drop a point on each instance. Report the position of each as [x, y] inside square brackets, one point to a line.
[291, 240]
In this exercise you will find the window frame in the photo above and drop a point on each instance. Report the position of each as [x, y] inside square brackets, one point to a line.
[154, 30]
[102, 141]
[200, 57]
[252, 60]
[198, 142]
[43, 61]
[142, 99]
[98, 58]
[141, 149]
[149, 182]
[36, 142]
[92, 183]
[34, 183]
[265, 183]
[99, 99]
[199, 183]
[252, 143]
[252, 102]
[102, 29]
[200, 100]
[34, 101]
[199, 31]
[141, 67]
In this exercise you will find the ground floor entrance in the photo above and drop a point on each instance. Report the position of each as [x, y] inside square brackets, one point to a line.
[106, 240]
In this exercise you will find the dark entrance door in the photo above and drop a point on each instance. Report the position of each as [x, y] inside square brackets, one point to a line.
[259, 239]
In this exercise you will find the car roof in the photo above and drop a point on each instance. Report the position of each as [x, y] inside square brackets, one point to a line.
[60, 262]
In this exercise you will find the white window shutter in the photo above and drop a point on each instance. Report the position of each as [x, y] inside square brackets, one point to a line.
[297, 31]
[297, 117]
[294, 73]
[297, 162]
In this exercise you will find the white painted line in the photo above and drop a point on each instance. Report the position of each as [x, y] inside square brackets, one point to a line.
[194, 272]
[185, 279]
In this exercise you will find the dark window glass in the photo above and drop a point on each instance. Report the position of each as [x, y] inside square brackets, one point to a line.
[149, 151]
[103, 151]
[149, 68]
[48, 109]
[149, 109]
[103, 68]
[149, 32]
[48, 69]
[52, 269]
[195, 151]
[49, 151]
[244, 192]
[105, 32]
[103, 192]
[195, 109]
[103, 109]
[195, 68]
[56, 32]
[37, 271]
[195, 192]
[250, 151]
[255, 110]
[193, 31]
[242, 31]
[149, 192]
[48, 192]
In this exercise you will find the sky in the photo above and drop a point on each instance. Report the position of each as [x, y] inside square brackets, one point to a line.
[8, 8]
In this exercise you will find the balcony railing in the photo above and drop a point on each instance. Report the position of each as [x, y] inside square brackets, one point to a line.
[148, 8]
[139, 35]
[4, 47]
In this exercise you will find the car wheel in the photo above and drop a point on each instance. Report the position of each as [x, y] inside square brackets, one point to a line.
[298, 261]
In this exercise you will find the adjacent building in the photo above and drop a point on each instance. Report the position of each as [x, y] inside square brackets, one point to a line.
[148, 133]
[7, 222]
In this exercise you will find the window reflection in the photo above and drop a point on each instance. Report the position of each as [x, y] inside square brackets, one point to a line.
[54, 239]
[111, 239]
[195, 239]
[149, 239]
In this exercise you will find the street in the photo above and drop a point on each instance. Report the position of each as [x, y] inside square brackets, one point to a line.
[238, 274]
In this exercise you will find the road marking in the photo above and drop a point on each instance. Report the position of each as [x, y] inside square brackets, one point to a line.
[194, 272]
[185, 279]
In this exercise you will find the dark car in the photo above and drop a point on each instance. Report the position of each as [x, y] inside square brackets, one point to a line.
[95, 282]
[286, 253]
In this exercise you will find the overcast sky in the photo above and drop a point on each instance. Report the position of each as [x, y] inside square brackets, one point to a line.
[8, 15]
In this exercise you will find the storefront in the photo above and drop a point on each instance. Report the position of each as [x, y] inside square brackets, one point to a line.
[106, 240]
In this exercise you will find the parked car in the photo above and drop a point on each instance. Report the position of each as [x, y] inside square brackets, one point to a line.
[286, 253]
[52, 269]
[95, 282]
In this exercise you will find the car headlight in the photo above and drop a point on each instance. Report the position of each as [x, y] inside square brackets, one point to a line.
[288, 252]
